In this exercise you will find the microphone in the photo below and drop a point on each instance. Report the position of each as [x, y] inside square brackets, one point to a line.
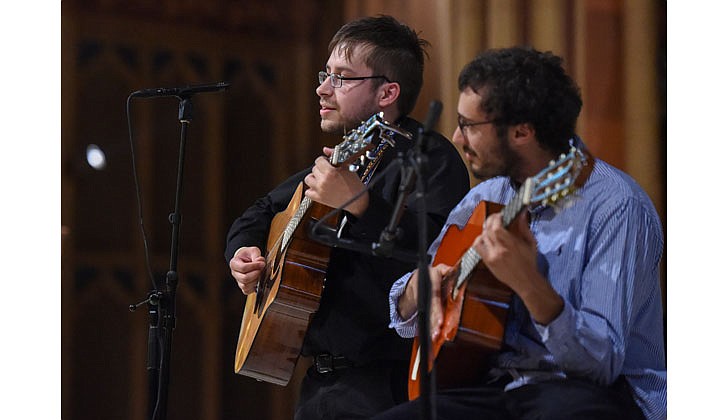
[385, 245]
[181, 91]
[432, 116]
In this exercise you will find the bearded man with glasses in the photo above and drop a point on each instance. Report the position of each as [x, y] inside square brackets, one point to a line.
[359, 365]
[581, 331]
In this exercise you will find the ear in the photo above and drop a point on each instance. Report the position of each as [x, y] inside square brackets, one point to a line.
[388, 94]
[522, 133]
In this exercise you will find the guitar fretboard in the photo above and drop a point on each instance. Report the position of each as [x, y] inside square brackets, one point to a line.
[471, 258]
[293, 223]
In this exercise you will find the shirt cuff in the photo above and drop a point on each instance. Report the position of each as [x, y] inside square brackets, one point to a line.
[558, 331]
[406, 328]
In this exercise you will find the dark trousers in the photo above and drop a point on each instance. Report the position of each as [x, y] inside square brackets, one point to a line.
[352, 393]
[554, 400]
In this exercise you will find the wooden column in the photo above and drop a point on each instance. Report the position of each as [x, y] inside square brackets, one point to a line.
[599, 60]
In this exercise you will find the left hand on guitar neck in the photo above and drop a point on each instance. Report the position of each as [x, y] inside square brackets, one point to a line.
[334, 186]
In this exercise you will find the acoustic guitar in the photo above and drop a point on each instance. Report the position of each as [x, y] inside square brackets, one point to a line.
[475, 304]
[277, 314]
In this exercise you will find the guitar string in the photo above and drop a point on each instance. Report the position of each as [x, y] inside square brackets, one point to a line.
[471, 257]
[306, 202]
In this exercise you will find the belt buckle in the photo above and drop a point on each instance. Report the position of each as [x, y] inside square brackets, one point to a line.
[324, 363]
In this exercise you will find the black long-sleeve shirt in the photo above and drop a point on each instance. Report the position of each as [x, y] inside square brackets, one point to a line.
[353, 317]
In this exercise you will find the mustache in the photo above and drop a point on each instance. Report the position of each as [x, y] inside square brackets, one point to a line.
[467, 149]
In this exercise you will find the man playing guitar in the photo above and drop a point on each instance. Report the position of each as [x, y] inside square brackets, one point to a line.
[359, 364]
[584, 333]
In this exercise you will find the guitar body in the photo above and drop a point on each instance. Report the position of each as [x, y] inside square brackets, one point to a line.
[473, 320]
[475, 304]
[276, 317]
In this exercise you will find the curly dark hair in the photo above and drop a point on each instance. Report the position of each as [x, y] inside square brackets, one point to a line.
[523, 85]
[397, 52]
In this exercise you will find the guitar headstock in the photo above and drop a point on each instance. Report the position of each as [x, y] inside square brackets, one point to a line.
[558, 180]
[364, 138]
[550, 187]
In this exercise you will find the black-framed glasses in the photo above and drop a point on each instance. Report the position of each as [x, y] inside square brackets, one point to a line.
[462, 124]
[337, 80]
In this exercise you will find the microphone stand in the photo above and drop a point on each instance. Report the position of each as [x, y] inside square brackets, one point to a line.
[385, 246]
[424, 295]
[161, 303]
[417, 164]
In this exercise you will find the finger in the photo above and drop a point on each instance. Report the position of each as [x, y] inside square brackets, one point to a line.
[242, 265]
[328, 151]
[252, 253]
[490, 223]
[523, 228]
[247, 282]
[436, 277]
[247, 288]
[494, 221]
[442, 269]
[483, 243]
[249, 274]
[310, 181]
[435, 320]
[322, 163]
[248, 253]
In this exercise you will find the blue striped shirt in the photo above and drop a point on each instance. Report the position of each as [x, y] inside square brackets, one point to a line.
[602, 255]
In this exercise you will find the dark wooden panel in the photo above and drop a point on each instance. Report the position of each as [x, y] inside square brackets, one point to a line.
[604, 83]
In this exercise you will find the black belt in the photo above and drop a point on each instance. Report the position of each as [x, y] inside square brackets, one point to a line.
[327, 363]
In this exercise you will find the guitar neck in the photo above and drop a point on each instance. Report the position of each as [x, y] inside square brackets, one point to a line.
[518, 203]
[471, 257]
[294, 222]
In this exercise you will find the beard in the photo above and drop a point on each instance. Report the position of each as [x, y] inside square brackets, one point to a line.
[342, 123]
[500, 160]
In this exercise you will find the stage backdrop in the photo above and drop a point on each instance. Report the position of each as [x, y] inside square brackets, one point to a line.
[243, 141]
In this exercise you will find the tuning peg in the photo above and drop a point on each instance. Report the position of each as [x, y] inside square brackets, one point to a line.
[353, 167]
[371, 155]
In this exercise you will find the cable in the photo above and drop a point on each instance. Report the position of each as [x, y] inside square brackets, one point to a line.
[139, 197]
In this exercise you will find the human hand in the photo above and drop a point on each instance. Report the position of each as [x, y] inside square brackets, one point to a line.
[246, 267]
[437, 276]
[407, 305]
[509, 254]
[334, 186]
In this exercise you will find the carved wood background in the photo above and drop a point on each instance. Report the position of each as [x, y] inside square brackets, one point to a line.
[245, 140]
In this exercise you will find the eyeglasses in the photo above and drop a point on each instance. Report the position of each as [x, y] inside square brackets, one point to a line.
[337, 80]
[463, 125]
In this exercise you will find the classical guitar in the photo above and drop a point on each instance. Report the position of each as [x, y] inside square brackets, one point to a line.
[475, 304]
[277, 314]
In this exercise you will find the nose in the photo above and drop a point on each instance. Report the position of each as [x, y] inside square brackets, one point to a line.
[325, 88]
[458, 138]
